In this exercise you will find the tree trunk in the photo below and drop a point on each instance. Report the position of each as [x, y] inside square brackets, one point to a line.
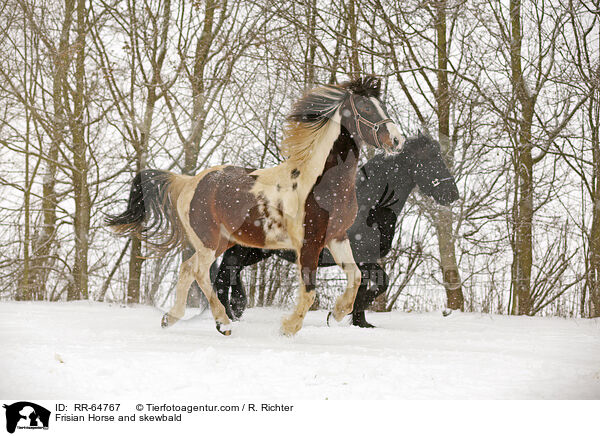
[593, 275]
[443, 218]
[134, 278]
[522, 251]
[26, 291]
[593, 267]
[141, 145]
[42, 243]
[356, 70]
[309, 59]
[523, 161]
[192, 145]
[261, 283]
[106, 284]
[135, 271]
[44, 240]
[79, 285]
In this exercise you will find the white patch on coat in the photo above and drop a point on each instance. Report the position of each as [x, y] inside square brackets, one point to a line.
[292, 200]
[392, 128]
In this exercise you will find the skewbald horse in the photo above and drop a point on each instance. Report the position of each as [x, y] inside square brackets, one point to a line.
[306, 203]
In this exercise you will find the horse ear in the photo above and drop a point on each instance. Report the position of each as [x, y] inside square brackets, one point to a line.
[369, 86]
[376, 83]
[424, 134]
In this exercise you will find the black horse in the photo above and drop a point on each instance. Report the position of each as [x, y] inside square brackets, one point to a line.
[382, 186]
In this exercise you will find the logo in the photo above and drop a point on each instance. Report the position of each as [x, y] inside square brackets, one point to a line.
[26, 415]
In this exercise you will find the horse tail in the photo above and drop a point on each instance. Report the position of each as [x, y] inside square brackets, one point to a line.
[151, 212]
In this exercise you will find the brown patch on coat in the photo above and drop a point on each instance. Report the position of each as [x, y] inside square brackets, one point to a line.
[223, 198]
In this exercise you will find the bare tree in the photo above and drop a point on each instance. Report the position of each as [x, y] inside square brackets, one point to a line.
[52, 122]
[443, 219]
[146, 31]
[584, 160]
[78, 288]
[527, 83]
[421, 49]
[92, 92]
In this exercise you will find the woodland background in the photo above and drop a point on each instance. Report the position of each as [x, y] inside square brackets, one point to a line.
[93, 91]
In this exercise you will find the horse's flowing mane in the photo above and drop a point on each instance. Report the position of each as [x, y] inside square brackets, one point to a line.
[311, 115]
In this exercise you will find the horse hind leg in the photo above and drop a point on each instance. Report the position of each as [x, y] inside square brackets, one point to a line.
[186, 277]
[197, 267]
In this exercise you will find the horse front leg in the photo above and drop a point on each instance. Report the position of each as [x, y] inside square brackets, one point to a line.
[342, 254]
[222, 283]
[308, 261]
[238, 300]
[246, 256]
[202, 273]
[372, 273]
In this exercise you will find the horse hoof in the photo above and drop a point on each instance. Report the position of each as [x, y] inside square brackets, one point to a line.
[164, 322]
[446, 312]
[328, 318]
[359, 320]
[287, 334]
[225, 330]
[291, 325]
[331, 315]
[364, 325]
[237, 311]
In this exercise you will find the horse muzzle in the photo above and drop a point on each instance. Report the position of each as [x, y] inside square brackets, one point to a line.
[390, 138]
[447, 193]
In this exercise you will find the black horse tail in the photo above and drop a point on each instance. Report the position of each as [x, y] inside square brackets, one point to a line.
[151, 212]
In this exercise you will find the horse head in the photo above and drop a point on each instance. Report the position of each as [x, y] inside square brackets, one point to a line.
[365, 116]
[428, 169]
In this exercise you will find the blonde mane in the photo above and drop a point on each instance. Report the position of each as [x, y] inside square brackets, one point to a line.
[309, 120]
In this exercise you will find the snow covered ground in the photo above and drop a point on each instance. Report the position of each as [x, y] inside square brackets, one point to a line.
[89, 350]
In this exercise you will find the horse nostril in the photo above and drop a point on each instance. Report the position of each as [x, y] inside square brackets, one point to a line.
[396, 142]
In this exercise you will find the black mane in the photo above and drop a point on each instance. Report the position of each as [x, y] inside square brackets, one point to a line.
[369, 86]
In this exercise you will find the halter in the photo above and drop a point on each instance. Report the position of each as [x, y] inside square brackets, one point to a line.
[436, 182]
[373, 126]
